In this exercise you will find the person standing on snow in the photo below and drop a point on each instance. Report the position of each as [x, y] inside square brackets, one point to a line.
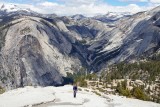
[75, 90]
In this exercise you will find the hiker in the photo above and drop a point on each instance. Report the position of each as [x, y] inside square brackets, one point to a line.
[74, 90]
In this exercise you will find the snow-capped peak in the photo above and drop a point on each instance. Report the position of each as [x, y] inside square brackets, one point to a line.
[117, 14]
[12, 8]
[112, 16]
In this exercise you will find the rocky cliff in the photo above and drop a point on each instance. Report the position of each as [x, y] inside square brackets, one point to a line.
[37, 49]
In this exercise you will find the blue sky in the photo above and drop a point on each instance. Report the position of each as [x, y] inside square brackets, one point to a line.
[85, 7]
[122, 3]
[110, 2]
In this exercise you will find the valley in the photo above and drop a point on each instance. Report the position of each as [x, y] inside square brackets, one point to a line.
[116, 53]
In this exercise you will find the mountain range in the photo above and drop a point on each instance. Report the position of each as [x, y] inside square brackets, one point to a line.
[38, 49]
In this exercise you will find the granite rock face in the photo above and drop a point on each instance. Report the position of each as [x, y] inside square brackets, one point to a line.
[132, 38]
[36, 52]
[37, 49]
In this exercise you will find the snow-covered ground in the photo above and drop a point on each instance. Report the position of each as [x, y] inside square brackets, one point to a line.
[63, 97]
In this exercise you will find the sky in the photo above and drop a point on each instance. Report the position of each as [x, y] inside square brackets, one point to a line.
[84, 7]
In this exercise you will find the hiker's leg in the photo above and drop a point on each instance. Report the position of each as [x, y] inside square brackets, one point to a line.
[74, 94]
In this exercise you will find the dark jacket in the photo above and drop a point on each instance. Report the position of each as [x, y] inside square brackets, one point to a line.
[75, 88]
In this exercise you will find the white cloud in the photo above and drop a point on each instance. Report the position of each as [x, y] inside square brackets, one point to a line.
[154, 1]
[48, 4]
[76, 2]
[85, 7]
